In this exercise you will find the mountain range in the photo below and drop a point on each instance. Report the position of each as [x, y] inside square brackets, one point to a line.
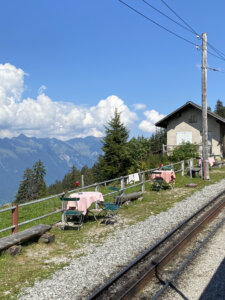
[19, 153]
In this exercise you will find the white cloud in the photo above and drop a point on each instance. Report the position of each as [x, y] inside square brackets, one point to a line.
[41, 89]
[152, 116]
[11, 84]
[43, 117]
[139, 106]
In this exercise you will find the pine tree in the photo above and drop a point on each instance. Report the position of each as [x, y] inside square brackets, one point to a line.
[220, 109]
[32, 186]
[26, 189]
[116, 159]
[70, 178]
[39, 172]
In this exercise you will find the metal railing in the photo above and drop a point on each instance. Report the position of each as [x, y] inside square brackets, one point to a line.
[144, 177]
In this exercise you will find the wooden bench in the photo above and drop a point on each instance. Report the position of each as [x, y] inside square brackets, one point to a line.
[23, 236]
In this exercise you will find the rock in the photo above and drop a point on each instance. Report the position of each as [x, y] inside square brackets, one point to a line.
[13, 250]
[47, 238]
[128, 203]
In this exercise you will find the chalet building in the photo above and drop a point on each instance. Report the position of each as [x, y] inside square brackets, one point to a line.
[185, 125]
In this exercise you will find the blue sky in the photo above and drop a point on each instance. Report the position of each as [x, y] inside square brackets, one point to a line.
[66, 65]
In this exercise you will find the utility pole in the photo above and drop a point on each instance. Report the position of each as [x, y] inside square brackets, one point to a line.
[205, 162]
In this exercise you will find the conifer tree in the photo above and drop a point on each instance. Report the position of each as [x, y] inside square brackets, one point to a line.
[38, 180]
[116, 158]
[32, 186]
[70, 178]
[25, 191]
[220, 109]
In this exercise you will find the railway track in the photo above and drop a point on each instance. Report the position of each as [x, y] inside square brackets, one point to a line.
[128, 283]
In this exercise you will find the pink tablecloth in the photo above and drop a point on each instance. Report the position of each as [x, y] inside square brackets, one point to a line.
[86, 199]
[168, 176]
[210, 159]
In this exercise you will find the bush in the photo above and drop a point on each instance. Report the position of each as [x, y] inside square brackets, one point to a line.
[184, 151]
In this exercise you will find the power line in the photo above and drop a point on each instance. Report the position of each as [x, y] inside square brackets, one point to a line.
[220, 57]
[159, 11]
[159, 25]
[180, 18]
[220, 53]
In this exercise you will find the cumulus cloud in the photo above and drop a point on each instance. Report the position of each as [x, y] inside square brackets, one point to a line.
[152, 116]
[139, 106]
[43, 117]
[11, 84]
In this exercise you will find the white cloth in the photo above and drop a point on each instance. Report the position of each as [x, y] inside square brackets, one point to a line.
[132, 178]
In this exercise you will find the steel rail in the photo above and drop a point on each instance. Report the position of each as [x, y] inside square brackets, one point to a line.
[141, 282]
[98, 292]
[188, 259]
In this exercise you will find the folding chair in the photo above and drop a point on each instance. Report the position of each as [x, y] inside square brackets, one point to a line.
[168, 168]
[74, 215]
[119, 193]
[110, 209]
[157, 184]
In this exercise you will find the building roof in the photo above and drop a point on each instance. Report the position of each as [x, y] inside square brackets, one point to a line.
[163, 122]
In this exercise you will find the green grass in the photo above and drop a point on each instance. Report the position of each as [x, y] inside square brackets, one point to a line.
[39, 261]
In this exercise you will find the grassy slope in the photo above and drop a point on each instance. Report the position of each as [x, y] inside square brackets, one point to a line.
[39, 261]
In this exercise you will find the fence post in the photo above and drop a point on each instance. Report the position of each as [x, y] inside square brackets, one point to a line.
[122, 184]
[96, 189]
[15, 219]
[64, 205]
[82, 182]
[182, 167]
[143, 182]
[190, 167]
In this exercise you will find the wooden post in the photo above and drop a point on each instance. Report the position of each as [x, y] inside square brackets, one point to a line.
[96, 189]
[82, 182]
[64, 205]
[122, 184]
[182, 168]
[204, 110]
[190, 167]
[15, 218]
[143, 182]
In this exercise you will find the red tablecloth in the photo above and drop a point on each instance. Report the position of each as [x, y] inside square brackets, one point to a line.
[86, 199]
[167, 175]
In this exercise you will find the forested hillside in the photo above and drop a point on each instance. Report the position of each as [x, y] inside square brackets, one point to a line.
[19, 153]
[121, 156]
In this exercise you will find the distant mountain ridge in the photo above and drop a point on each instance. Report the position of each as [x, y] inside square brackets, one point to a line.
[22, 152]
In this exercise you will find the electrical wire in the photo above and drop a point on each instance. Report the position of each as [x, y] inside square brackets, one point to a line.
[159, 25]
[180, 18]
[220, 53]
[162, 13]
[217, 51]
[215, 55]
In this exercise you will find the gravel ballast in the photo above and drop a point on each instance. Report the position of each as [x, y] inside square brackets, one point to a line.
[205, 273]
[84, 274]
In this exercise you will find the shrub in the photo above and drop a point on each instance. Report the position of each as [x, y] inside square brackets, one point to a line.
[184, 151]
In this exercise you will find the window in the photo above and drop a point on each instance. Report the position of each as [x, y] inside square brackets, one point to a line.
[192, 119]
[184, 137]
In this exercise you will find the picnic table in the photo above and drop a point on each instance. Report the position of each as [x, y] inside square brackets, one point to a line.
[167, 175]
[86, 199]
